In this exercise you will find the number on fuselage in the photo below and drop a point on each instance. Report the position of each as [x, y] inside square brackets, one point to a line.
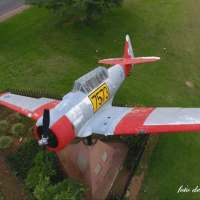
[99, 96]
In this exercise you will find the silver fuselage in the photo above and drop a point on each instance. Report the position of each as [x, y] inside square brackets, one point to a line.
[77, 105]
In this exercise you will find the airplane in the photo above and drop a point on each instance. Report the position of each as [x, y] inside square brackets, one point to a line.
[87, 109]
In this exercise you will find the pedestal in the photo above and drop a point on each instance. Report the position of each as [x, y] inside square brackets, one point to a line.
[96, 166]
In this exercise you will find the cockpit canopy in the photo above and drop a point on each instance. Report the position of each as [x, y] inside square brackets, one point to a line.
[91, 80]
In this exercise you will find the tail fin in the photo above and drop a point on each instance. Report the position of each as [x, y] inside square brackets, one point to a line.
[128, 50]
[128, 59]
[128, 53]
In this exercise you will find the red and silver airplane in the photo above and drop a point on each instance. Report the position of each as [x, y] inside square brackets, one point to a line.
[88, 109]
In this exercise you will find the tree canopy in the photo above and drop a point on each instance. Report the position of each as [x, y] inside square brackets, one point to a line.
[78, 10]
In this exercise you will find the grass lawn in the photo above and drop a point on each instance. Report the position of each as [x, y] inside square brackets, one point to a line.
[37, 52]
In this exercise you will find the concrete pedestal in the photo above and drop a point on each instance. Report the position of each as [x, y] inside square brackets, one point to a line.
[96, 166]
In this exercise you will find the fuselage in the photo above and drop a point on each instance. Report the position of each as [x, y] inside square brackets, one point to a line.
[91, 93]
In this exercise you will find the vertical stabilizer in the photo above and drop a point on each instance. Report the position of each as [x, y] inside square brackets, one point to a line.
[128, 53]
[129, 59]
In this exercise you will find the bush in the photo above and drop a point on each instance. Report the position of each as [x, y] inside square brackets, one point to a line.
[5, 142]
[22, 160]
[45, 182]
[43, 166]
[68, 189]
[47, 165]
[65, 190]
[17, 116]
[18, 130]
[1, 196]
[3, 127]
[30, 130]
[42, 174]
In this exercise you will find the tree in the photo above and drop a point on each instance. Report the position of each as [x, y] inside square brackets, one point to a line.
[78, 10]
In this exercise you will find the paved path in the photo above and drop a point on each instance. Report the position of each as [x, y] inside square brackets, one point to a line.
[9, 5]
[9, 8]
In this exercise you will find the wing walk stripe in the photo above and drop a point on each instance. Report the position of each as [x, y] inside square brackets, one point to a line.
[133, 121]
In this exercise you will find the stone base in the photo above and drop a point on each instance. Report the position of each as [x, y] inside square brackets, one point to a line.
[96, 166]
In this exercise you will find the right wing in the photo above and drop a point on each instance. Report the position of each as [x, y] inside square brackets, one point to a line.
[134, 121]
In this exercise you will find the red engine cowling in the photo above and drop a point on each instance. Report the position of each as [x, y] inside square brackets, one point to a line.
[60, 134]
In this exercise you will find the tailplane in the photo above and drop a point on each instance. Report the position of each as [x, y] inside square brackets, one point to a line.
[128, 59]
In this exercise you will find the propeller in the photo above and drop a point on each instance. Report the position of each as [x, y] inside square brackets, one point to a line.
[45, 128]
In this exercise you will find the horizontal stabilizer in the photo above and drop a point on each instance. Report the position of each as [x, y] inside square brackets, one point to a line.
[128, 61]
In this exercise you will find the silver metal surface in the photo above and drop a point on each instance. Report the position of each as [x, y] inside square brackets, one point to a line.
[27, 103]
[105, 121]
[173, 116]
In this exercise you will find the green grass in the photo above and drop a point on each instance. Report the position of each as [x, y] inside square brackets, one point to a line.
[37, 52]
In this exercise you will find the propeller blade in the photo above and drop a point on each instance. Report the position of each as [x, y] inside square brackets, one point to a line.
[46, 119]
[46, 122]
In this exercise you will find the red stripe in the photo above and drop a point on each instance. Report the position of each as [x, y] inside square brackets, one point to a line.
[133, 121]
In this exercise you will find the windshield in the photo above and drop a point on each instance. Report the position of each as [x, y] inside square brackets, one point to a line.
[91, 80]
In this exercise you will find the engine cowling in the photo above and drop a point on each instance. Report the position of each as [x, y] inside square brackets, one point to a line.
[60, 134]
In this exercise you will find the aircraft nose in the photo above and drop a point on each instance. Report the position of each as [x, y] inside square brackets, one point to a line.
[60, 134]
[64, 132]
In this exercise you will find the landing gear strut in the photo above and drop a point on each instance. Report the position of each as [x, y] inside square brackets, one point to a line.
[90, 140]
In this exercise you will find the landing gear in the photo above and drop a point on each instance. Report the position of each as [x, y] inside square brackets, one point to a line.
[90, 140]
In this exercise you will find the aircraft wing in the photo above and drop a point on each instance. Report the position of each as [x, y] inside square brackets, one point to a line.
[133, 121]
[27, 106]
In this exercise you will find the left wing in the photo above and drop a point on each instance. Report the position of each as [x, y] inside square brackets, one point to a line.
[27, 106]
[133, 121]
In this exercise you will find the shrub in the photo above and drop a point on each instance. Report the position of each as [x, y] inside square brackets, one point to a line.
[65, 190]
[18, 116]
[3, 127]
[42, 174]
[68, 189]
[18, 130]
[45, 182]
[5, 142]
[1, 196]
[42, 166]
[30, 130]
[22, 160]
[47, 165]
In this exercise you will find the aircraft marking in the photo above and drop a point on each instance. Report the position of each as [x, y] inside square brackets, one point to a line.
[99, 97]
